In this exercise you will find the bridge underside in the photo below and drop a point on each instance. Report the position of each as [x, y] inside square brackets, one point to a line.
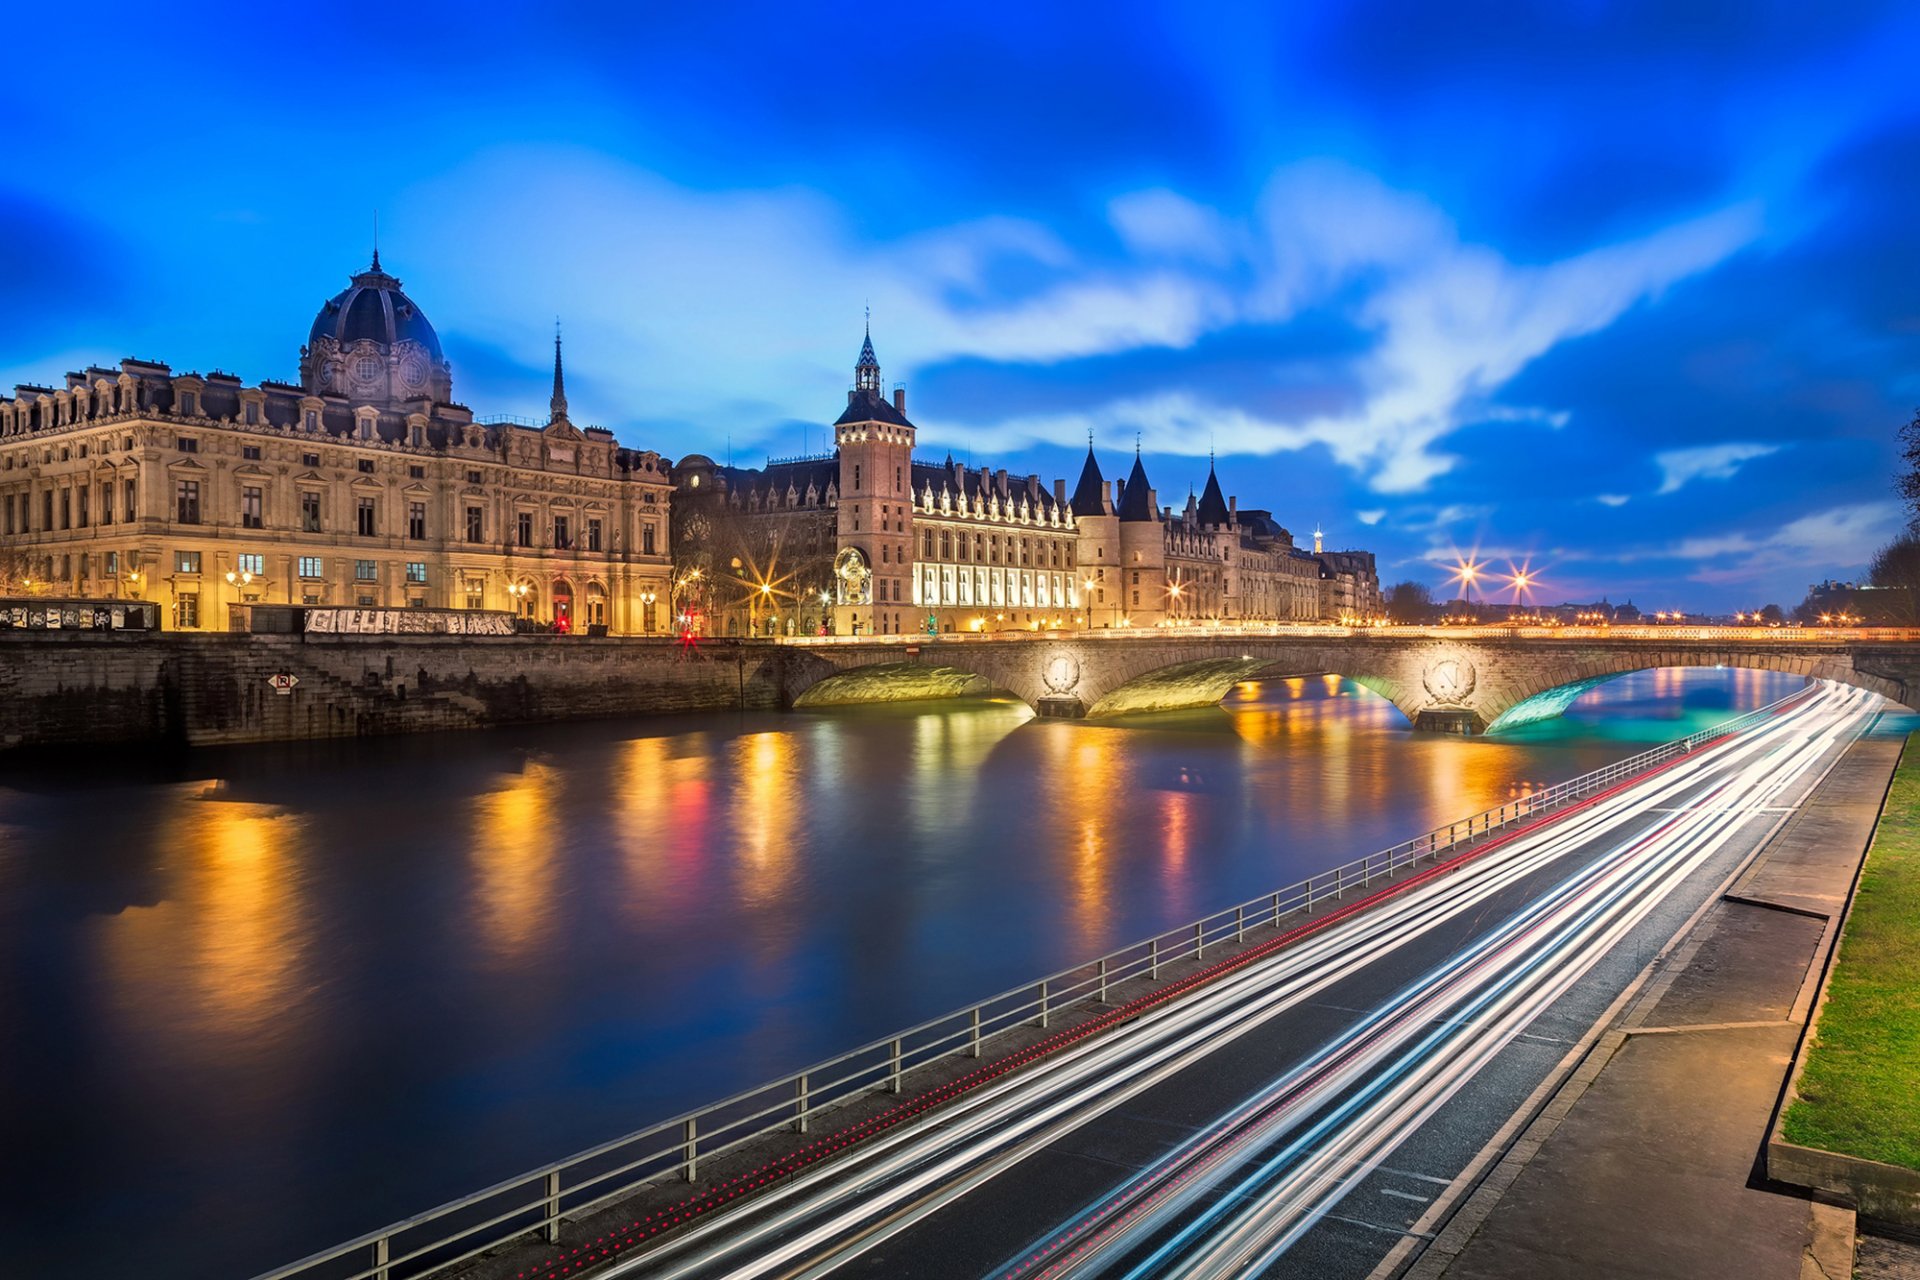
[1549, 704]
[893, 682]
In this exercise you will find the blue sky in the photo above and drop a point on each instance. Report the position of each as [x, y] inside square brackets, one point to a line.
[1628, 292]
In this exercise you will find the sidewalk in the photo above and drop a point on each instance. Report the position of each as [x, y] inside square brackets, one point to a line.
[1647, 1162]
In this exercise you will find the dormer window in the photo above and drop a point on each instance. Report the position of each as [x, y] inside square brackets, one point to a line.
[253, 414]
[313, 420]
[189, 404]
[418, 435]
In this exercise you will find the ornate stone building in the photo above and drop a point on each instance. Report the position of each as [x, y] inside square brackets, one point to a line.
[867, 540]
[365, 484]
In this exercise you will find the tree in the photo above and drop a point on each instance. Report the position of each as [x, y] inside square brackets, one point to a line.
[1409, 602]
[1908, 482]
[1773, 613]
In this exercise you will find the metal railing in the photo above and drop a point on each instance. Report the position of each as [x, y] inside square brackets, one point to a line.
[534, 1203]
[1284, 630]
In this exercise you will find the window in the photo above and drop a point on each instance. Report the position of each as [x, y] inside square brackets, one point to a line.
[188, 444]
[46, 509]
[646, 540]
[473, 477]
[309, 459]
[80, 497]
[366, 602]
[106, 503]
[476, 593]
[366, 466]
[131, 509]
[562, 538]
[186, 562]
[190, 406]
[309, 511]
[186, 610]
[112, 568]
[417, 437]
[856, 477]
[66, 508]
[366, 368]
[253, 419]
[524, 532]
[369, 526]
[186, 499]
[417, 521]
[593, 535]
[366, 571]
[312, 567]
[250, 507]
[417, 473]
[251, 562]
[251, 452]
[476, 524]
[9, 524]
[313, 424]
[416, 571]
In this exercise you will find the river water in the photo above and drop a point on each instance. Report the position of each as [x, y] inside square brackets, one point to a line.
[255, 1002]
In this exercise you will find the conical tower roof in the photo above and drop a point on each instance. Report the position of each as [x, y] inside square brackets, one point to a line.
[1136, 499]
[1213, 506]
[1090, 495]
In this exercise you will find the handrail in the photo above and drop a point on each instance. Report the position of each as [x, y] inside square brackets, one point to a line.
[786, 1104]
[1312, 630]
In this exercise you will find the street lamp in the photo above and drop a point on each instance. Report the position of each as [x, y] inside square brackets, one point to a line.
[1088, 586]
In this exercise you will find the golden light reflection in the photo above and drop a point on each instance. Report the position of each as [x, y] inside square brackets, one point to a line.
[229, 934]
[516, 828]
[1090, 777]
[769, 804]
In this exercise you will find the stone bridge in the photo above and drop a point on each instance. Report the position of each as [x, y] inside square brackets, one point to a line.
[1462, 680]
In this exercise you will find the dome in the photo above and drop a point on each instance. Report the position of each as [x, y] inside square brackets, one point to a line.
[373, 307]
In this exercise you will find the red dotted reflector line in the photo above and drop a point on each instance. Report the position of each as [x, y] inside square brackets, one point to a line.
[640, 1230]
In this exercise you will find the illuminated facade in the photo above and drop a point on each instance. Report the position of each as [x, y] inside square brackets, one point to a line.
[362, 485]
[866, 540]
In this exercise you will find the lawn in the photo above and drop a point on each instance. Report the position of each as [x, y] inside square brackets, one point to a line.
[1860, 1092]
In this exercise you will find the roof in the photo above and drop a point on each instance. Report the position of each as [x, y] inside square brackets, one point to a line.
[871, 406]
[1213, 507]
[372, 306]
[1090, 495]
[1136, 499]
[968, 483]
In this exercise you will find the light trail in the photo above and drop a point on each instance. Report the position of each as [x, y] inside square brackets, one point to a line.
[1369, 1088]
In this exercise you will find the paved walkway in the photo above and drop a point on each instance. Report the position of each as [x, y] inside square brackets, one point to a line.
[1648, 1163]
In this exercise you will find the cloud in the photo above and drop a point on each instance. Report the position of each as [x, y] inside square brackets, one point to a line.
[1706, 462]
[1611, 499]
[1374, 516]
[657, 279]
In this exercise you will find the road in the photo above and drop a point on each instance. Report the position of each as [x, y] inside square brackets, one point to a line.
[1220, 1135]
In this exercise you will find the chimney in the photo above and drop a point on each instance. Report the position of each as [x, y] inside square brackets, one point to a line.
[849, 395]
[1060, 493]
[900, 400]
[1118, 487]
[1000, 482]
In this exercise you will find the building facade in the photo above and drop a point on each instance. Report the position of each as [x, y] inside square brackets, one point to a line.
[866, 540]
[364, 484]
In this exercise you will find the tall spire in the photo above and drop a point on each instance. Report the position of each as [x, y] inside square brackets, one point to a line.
[558, 405]
[866, 371]
[376, 239]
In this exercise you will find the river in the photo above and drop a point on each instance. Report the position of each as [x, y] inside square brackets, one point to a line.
[255, 1002]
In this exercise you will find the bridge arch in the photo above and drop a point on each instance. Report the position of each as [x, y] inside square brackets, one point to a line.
[1461, 682]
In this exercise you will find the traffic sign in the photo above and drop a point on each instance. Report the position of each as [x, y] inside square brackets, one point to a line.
[283, 683]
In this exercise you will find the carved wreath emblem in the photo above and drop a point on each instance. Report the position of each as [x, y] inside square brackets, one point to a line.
[1061, 672]
[1450, 680]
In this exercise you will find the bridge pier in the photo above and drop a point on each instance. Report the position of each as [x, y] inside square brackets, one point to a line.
[1059, 707]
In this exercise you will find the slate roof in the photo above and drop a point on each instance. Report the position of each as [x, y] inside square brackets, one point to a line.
[1213, 507]
[1136, 499]
[1090, 495]
[871, 406]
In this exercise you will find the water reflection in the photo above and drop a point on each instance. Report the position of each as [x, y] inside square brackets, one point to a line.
[362, 978]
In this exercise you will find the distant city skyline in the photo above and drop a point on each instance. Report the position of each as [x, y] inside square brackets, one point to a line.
[1631, 299]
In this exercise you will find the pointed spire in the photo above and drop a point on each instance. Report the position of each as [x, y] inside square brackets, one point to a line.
[1213, 505]
[1090, 495]
[1136, 498]
[558, 405]
[376, 239]
[866, 371]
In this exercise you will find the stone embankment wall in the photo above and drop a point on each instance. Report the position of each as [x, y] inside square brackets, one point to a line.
[81, 688]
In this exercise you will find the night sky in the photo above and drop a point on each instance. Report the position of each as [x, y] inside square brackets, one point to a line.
[1628, 293]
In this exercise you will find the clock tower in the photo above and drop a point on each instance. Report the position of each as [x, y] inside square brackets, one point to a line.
[874, 566]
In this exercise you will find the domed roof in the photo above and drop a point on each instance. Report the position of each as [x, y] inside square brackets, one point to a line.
[372, 306]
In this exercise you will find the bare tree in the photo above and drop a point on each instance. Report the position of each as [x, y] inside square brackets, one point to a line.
[1410, 602]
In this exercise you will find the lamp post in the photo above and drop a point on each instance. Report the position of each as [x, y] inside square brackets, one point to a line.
[1087, 586]
[647, 597]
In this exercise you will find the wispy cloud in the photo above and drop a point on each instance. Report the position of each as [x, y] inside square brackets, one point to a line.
[1612, 499]
[1679, 467]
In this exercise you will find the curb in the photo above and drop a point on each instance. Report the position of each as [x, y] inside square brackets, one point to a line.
[1870, 1188]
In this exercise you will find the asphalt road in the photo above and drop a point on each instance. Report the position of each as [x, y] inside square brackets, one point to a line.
[1294, 1118]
